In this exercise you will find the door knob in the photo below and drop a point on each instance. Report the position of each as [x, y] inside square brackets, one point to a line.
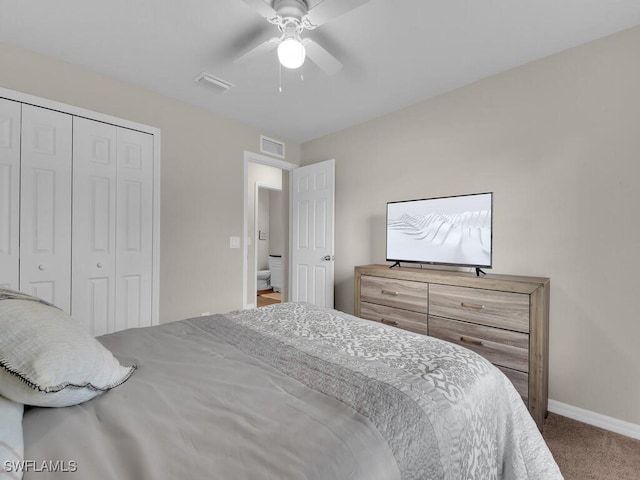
[42, 266]
[100, 264]
[328, 258]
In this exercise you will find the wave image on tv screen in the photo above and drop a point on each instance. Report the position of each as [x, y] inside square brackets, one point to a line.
[451, 230]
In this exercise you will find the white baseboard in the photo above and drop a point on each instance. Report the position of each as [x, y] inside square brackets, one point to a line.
[596, 419]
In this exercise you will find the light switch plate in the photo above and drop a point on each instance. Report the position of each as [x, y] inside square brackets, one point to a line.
[234, 242]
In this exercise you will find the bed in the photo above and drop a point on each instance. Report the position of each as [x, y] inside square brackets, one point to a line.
[288, 391]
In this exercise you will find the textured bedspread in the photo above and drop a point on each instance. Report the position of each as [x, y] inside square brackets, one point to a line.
[293, 391]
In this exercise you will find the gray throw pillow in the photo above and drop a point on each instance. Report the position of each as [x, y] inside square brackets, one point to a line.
[48, 359]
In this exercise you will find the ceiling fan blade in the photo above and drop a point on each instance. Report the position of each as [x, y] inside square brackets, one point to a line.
[328, 9]
[318, 55]
[261, 49]
[262, 7]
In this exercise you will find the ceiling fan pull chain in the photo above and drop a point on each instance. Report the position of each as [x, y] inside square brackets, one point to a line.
[279, 77]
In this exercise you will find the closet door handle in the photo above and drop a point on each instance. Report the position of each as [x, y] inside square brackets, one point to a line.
[100, 265]
[42, 266]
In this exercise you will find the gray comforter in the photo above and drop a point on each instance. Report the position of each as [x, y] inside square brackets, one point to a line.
[293, 391]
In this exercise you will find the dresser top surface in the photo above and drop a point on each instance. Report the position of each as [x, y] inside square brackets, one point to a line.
[514, 283]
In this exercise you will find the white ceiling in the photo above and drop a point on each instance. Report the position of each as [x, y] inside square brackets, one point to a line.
[395, 53]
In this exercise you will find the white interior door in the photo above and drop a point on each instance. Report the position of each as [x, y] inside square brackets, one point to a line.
[312, 233]
[9, 194]
[94, 225]
[45, 205]
[134, 229]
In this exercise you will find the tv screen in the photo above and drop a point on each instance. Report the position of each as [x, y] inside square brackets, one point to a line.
[453, 230]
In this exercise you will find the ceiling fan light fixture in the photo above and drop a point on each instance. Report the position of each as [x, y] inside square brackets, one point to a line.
[291, 53]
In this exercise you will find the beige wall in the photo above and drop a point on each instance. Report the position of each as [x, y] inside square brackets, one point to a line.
[558, 142]
[202, 175]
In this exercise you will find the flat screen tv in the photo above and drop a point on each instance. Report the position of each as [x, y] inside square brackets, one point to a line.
[454, 230]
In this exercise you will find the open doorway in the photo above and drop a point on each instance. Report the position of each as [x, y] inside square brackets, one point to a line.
[266, 230]
[271, 218]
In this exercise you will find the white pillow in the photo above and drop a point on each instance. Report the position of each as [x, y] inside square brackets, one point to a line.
[11, 442]
[46, 357]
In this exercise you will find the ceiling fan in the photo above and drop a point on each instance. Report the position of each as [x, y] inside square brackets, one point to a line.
[292, 17]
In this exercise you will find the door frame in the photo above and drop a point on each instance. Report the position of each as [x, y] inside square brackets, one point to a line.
[264, 160]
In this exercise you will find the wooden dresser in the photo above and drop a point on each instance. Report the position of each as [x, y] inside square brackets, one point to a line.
[504, 318]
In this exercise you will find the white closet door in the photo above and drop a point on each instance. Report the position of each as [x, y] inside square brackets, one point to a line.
[45, 206]
[134, 230]
[94, 225]
[9, 194]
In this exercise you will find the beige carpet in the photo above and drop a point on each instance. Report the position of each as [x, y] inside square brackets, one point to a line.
[584, 452]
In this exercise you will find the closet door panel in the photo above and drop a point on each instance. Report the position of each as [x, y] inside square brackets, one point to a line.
[9, 194]
[45, 205]
[134, 250]
[94, 225]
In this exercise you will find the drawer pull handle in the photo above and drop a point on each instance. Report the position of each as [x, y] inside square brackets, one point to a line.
[389, 292]
[471, 341]
[389, 322]
[475, 306]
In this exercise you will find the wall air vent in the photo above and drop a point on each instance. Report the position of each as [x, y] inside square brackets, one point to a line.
[215, 83]
[271, 146]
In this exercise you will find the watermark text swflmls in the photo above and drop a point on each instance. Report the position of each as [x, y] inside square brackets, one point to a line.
[58, 466]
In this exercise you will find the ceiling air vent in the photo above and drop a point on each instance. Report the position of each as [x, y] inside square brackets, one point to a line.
[215, 83]
[271, 146]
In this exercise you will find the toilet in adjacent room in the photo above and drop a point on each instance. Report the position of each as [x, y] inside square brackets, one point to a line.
[264, 280]
[275, 267]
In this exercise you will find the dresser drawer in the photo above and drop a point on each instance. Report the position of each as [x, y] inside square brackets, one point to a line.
[403, 294]
[416, 322]
[488, 307]
[501, 347]
[520, 380]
